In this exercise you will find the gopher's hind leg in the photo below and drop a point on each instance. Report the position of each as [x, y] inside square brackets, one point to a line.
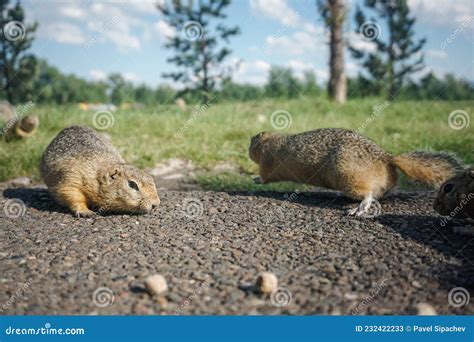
[364, 207]
[75, 200]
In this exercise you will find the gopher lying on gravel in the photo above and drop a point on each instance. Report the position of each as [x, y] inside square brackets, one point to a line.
[344, 160]
[456, 196]
[83, 170]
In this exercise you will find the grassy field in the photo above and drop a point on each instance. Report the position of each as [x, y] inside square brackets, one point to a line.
[221, 132]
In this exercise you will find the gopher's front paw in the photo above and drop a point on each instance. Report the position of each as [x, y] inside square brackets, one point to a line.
[85, 213]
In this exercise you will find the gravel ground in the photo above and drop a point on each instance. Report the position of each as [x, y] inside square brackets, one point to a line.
[211, 246]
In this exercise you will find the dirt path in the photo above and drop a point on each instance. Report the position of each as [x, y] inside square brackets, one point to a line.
[211, 246]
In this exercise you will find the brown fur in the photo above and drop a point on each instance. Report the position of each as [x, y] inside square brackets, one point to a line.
[343, 160]
[456, 196]
[84, 171]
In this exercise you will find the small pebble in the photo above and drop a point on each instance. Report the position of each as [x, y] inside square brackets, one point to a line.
[425, 309]
[156, 284]
[266, 282]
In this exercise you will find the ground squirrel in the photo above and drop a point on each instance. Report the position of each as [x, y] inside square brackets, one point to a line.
[456, 196]
[344, 160]
[84, 171]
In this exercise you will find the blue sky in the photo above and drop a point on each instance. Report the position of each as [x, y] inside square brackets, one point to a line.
[94, 38]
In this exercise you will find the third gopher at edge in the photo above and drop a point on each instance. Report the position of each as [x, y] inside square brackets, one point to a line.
[344, 160]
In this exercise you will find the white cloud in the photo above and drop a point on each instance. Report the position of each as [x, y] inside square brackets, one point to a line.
[275, 9]
[62, 32]
[164, 29]
[299, 68]
[131, 77]
[442, 13]
[98, 75]
[358, 42]
[252, 72]
[439, 54]
[296, 44]
[72, 11]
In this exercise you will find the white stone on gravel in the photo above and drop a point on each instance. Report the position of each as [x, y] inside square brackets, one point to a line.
[266, 282]
[156, 284]
[425, 309]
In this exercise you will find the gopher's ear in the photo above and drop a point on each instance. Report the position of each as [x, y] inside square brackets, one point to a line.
[110, 175]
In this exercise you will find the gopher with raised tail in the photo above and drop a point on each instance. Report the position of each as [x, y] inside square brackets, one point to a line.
[344, 160]
[84, 171]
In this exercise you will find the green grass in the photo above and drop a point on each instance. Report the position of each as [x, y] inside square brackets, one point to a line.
[222, 133]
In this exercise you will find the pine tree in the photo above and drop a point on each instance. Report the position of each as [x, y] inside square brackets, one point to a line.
[334, 13]
[17, 67]
[396, 57]
[198, 52]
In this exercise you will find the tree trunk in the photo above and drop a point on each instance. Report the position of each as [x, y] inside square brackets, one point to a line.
[337, 87]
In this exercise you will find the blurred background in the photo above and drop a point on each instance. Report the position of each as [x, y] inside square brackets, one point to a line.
[183, 85]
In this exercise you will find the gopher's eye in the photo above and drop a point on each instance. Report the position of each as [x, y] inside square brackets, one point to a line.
[448, 188]
[133, 185]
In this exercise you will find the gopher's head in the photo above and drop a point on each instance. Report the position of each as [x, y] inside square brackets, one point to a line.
[456, 196]
[256, 145]
[125, 188]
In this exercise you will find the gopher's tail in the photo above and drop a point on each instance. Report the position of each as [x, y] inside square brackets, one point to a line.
[432, 168]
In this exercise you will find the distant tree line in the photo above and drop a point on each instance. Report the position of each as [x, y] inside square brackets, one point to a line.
[50, 86]
[201, 48]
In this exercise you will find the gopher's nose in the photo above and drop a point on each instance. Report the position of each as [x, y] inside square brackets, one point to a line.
[155, 203]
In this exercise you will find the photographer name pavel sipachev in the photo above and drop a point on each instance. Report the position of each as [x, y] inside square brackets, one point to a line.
[439, 328]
